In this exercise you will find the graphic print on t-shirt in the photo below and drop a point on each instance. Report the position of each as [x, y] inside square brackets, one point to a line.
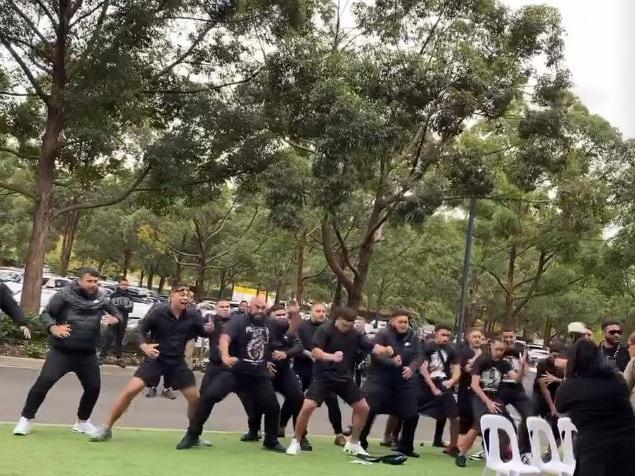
[491, 379]
[436, 367]
[258, 339]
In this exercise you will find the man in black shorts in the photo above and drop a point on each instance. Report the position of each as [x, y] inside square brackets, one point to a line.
[163, 333]
[469, 353]
[441, 371]
[246, 351]
[334, 347]
[488, 371]
[390, 386]
[303, 365]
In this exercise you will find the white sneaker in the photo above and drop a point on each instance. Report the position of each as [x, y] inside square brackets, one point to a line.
[23, 427]
[85, 427]
[294, 448]
[354, 449]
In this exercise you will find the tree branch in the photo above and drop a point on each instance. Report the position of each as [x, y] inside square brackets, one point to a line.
[88, 13]
[213, 87]
[30, 24]
[25, 69]
[498, 280]
[13, 93]
[344, 250]
[17, 189]
[17, 154]
[47, 12]
[327, 247]
[106, 203]
[98, 26]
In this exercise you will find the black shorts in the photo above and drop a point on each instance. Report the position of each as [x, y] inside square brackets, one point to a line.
[320, 390]
[177, 373]
[479, 409]
[438, 406]
[386, 399]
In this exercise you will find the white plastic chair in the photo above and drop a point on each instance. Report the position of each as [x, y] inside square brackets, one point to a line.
[490, 426]
[567, 429]
[538, 427]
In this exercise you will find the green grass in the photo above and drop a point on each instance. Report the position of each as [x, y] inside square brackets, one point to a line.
[56, 451]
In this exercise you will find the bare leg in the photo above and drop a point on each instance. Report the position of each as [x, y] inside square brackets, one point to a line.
[302, 423]
[360, 414]
[467, 441]
[130, 391]
[192, 396]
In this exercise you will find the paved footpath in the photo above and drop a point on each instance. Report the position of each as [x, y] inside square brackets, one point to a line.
[18, 374]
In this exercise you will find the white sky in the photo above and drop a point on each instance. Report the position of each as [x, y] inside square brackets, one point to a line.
[597, 45]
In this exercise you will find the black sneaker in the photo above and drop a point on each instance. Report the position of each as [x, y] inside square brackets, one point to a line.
[461, 461]
[274, 446]
[188, 442]
[249, 436]
[409, 454]
[305, 445]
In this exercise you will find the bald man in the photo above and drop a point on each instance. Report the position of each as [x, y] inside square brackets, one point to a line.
[245, 347]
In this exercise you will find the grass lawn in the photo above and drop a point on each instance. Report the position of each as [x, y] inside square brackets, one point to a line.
[56, 451]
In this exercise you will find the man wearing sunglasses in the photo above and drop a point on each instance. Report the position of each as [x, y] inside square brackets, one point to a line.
[164, 331]
[612, 349]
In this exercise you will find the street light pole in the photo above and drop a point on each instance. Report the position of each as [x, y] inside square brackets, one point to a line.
[459, 327]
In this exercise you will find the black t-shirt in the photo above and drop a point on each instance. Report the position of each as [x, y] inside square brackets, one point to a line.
[440, 359]
[219, 326]
[491, 372]
[329, 338]
[250, 343]
[306, 331]
[616, 357]
[467, 355]
[596, 405]
[543, 367]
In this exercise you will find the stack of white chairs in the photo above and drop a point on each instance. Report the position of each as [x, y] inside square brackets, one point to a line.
[539, 431]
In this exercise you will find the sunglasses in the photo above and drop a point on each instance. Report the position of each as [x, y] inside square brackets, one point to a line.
[613, 333]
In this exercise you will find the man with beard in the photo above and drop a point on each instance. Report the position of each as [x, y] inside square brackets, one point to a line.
[334, 347]
[614, 353]
[390, 387]
[73, 318]
[285, 345]
[121, 300]
[303, 366]
[245, 348]
[441, 372]
[163, 332]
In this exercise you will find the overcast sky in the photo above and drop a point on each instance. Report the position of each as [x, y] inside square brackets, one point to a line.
[599, 53]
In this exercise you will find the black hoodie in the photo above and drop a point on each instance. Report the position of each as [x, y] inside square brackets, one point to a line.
[10, 307]
[407, 346]
[71, 305]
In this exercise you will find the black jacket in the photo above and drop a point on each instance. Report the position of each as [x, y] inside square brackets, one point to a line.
[306, 331]
[282, 340]
[70, 305]
[407, 346]
[121, 299]
[10, 307]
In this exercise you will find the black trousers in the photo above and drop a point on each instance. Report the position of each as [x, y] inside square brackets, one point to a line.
[304, 370]
[58, 364]
[221, 383]
[514, 395]
[392, 399]
[286, 384]
[114, 334]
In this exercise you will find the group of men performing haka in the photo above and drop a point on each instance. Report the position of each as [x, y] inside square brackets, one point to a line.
[257, 354]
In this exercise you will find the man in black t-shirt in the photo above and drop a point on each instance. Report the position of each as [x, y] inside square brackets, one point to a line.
[614, 353]
[441, 371]
[548, 380]
[469, 354]
[164, 332]
[334, 347]
[488, 372]
[246, 352]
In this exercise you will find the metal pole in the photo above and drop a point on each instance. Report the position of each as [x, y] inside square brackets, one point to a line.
[459, 327]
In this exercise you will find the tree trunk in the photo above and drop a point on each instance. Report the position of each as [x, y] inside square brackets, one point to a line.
[151, 275]
[127, 258]
[161, 284]
[200, 280]
[43, 211]
[510, 292]
[337, 296]
[222, 283]
[142, 275]
[299, 277]
[546, 335]
[71, 220]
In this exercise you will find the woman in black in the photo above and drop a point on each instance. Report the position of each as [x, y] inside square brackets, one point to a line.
[595, 397]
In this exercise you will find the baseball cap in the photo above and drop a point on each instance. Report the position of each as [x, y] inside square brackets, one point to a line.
[576, 328]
